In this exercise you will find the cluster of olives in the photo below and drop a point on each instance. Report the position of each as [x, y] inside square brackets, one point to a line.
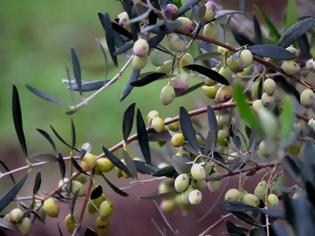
[18, 218]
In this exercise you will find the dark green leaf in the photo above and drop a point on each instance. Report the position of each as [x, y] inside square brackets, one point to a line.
[134, 76]
[97, 192]
[296, 31]
[128, 121]
[305, 48]
[310, 190]
[8, 197]
[154, 41]
[90, 232]
[115, 160]
[62, 165]
[257, 232]
[247, 218]
[130, 164]
[73, 134]
[147, 79]
[143, 138]
[73, 201]
[109, 32]
[187, 128]
[37, 183]
[187, 6]
[167, 171]
[121, 30]
[7, 169]
[272, 51]
[238, 207]
[208, 72]
[293, 166]
[17, 118]
[242, 39]
[157, 137]
[291, 13]
[44, 96]
[44, 157]
[116, 189]
[140, 17]
[258, 34]
[47, 137]
[145, 168]
[76, 69]
[86, 86]
[77, 166]
[189, 90]
[124, 48]
[213, 128]
[235, 230]
[61, 139]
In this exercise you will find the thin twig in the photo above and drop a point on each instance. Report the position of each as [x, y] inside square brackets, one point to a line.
[216, 223]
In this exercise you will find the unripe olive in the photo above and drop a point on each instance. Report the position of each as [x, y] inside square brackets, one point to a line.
[211, 30]
[174, 126]
[15, 215]
[232, 195]
[181, 183]
[211, 8]
[176, 43]
[250, 199]
[269, 123]
[272, 200]
[210, 91]
[263, 149]
[123, 18]
[200, 184]
[211, 82]
[261, 189]
[138, 62]
[234, 63]
[164, 187]
[223, 120]
[222, 138]
[38, 208]
[94, 204]
[214, 185]
[167, 95]
[246, 58]
[198, 172]
[195, 197]
[307, 97]
[51, 207]
[186, 59]
[226, 72]
[224, 94]
[178, 140]
[88, 162]
[77, 186]
[290, 67]
[106, 209]
[180, 82]
[103, 164]
[170, 10]
[267, 100]
[165, 68]
[269, 86]
[141, 48]
[151, 115]
[24, 226]
[70, 222]
[186, 25]
[185, 195]
[157, 124]
[257, 104]
[167, 205]
[221, 50]
[81, 178]
[101, 226]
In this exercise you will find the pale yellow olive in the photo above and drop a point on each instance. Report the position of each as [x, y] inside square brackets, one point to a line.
[232, 195]
[272, 200]
[198, 172]
[195, 197]
[51, 207]
[157, 124]
[269, 86]
[178, 140]
[103, 164]
[210, 91]
[167, 205]
[181, 183]
[290, 67]
[211, 30]
[70, 222]
[167, 95]
[307, 97]
[186, 59]
[250, 199]
[88, 162]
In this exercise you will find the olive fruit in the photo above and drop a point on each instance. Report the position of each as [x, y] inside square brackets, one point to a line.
[167, 94]
[269, 86]
[250, 199]
[272, 200]
[263, 149]
[211, 82]
[211, 30]
[211, 8]
[210, 91]
[290, 67]
[307, 97]
[174, 126]
[167, 205]
[234, 63]
[186, 59]
[123, 18]
[178, 140]
[103, 164]
[106, 209]
[195, 197]
[141, 48]
[200, 184]
[101, 226]
[138, 62]
[224, 94]
[267, 100]
[261, 189]
[15, 215]
[198, 172]
[176, 43]
[257, 104]
[180, 82]
[81, 178]
[38, 208]
[170, 10]
[151, 115]
[88, 162]
[70, 221]
[186, 25]
[164, 187]
[232, 195]
[157, 124]
[165, 68]
[223, 120]
[214, 185]
[181, 183]
[24, 225]
[51, 207]
[77, 186]
[94, 204]
[222, 138]
[246, 58]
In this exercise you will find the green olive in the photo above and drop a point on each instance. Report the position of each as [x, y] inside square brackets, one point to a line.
[272, 200]
[93, 205]
[261, 189]
[176, 43]
[198, 172]
[246, 58]
[223, 120]
[224, 94]
[214, 185]
[267, 100]
[250, 199]
[141, 48]
[106, 209]
[101, 226]
[222, 138]
[232, 195]
[70, 222]
[157, 124]
[307, 97]
[167, 205]
[290, 67]
[257, 105]
[186, 59]
[195, 197]
[269, 86]
[167, 95]
[164, 187]
[24, 226]
[77, 186]
[211, 30]
[178, 140]
[210, 91]
[138, 62]
[88, 162]
[51, 207]
[103, 164]
[226, 72]
[174, 126]
[181, 183]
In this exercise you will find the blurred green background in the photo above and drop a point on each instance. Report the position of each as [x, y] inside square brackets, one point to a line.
[35, 46]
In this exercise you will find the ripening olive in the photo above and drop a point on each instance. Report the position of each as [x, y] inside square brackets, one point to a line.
[170, 10]
[246, 58]
[211, 30]
[181, 183]
[70, 221]
[224, 94]
[151, 115]
[211, 8]
[195, 197]
[210, 91]
[272, 200]
[101, 226]
[106, 209]
[186, 59]
[103, 164]
[178, 140]
[167, 94]
[51, 207]
[138, 62]
[176, 43]
[198, 172]
[157, 124]
[88, 162]
[250, 199]
[24, 226]
[232, 195]
[214, 185]
[290, 67]
[123, 18]
[180, 82]
[167, 205]
[261, 189]
[141, 48]
[15, 215]
[269, 86]
[186, 25]
[307, 97]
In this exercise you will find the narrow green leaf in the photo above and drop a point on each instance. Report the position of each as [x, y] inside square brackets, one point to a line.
[76, 69]
[128, 121]
[97, 192]
[286, 118]
[116, 161]
[44, 96]
[143, 138]
[62, 165]
[246, 113]
[47, 137]
[38, 182]
[116, 189]
[291, 13]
